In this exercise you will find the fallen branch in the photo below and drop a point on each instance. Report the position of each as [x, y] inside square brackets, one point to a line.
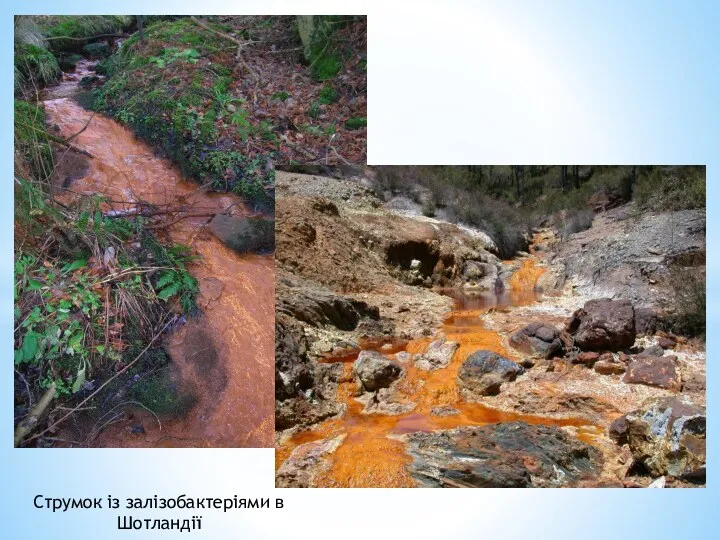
[103, 385]
[178, 219]
[301, 150]
[25, 427]
[83, 38]
[240, 46]
[62, 141]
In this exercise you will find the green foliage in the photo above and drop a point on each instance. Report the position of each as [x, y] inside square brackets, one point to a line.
[314, 110]
[97, 50]
[173, 54]
[193, 116]
[80, 28]
[176, 282]
[282, 96]
[671, 188]
[31, 141]
[35, 65]
[356, 123]
[326, 66]
[327, 95]
[56, 320]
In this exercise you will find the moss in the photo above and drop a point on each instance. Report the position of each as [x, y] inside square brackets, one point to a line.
[67, 62]
[81, 28]
[356, 123]
[180, 115]
[327, 95]
[97, 50]
[161, 395]
[326, 66]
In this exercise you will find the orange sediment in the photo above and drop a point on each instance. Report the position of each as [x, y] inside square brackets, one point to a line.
[372, 455]
[234, 389]
[527, 276]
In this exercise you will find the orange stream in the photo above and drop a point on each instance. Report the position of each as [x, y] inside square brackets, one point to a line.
[371, 455]
[234, 388]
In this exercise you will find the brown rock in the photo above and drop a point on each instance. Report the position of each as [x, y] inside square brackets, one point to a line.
[537, 339]
[667, 343]
[661, 372]
[604, 367]
[603, 324]
[587, 358]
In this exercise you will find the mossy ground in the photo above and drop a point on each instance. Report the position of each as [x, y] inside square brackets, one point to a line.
[174, 91]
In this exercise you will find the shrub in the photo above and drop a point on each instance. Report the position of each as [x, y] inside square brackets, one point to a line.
[671, 188]
[577, 221]
[689, 299]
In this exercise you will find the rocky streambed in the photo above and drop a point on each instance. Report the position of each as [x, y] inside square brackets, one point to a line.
[408, 355]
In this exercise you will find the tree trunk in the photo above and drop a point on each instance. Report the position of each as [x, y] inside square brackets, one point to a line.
[141, 29]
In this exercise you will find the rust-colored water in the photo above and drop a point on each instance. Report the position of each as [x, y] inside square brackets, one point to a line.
[371, 455]
[226, 355]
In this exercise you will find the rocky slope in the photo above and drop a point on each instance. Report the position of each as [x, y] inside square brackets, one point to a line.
[379, 383]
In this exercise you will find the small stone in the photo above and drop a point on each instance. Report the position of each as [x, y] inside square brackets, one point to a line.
[609, 368]
[587, 358]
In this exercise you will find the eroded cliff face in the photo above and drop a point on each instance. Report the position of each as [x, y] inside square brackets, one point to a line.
[408, 348]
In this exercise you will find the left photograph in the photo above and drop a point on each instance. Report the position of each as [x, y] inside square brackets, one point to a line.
[145, 156]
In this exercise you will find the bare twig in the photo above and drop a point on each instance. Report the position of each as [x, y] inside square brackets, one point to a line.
[240, 46]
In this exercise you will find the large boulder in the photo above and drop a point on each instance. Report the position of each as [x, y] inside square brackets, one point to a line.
[484, 372]
[481, 276]
[666, 436]
[603, 324]
[438, 355]
[659, 371]
[513, 454]
[319, 307]
[537, 339]
[374, 371]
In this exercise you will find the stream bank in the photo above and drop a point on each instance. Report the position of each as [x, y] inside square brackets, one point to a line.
[201, 285]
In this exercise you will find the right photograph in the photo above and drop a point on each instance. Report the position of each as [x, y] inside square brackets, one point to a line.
[491, 326]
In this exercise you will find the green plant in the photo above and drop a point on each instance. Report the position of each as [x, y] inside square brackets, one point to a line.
[356, 123]
[282, 96]
[327, 95]
[173, 54]
[689, 299]
[35, 65]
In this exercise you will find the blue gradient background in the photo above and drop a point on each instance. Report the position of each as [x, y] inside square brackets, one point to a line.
[452, 82]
